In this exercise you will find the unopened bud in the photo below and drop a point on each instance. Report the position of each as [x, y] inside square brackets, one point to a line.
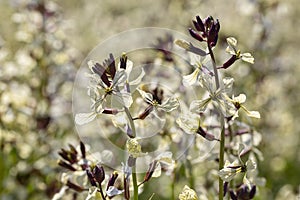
[112, 179]
[91, 178]
[99, 174]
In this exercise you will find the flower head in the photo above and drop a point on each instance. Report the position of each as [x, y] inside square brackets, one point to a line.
[208, 30]
[108, 81]
[134, 148]
[238, 103]
[236, 54]
[230, 170]
[155, 99]
[188, 194]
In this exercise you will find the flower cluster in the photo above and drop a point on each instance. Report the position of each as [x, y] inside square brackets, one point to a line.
[216, 103]
[212, 121]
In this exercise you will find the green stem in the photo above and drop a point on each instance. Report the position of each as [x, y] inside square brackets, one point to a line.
[134, 179]
[221, 158]
[135, 185]
[132, 126]
[222, 139]
[214, 67]
[173, 187]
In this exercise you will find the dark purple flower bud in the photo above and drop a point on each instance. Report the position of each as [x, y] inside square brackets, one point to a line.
[232, 195]
[225, 186]
[217, 25]
[206, 135]
[70, 156]
[100, 70]
[112, 179]
[146, 112]
[82, 149]
[64, 154]
[110, 111]
[200, 24]
[150, 171]
[111, 65]
[99, 174]
[91, 178]
[72, 149]
[208, 22]
[131, 161]
[195, 35]
[66, 165]
[252, 192]
[213, 35]
[126, 188]
[123, 61]
[196, 25]
[242, 192]
[74, 186]
[229, 62]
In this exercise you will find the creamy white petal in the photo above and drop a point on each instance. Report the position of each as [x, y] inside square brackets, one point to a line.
[247, 57]
[120, 77]
[169, 105]
[113, 191]
[146, 96]
[198, 106]
[240, 99]
[191, 79]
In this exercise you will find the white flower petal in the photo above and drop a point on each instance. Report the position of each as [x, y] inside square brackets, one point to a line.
[247, 57]
[189, 123]
[183, 44]
[84, 118]
[232, 42]
[169, 105]
[120, 77]
[146, 96]
[227, 174]
[113, 191]
[240, 99]
[191, 79]
[251, 165]
[254, 114]
[247, 182]
[61, 193]
[165, 157]
[198, 106]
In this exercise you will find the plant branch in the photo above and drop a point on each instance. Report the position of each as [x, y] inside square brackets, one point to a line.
[222, 139]
[135, 185]
[134, 179]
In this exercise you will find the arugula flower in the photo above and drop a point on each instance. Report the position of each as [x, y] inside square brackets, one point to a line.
[190, 124]
[155, 100]
[188, 194]
[236, 54]
[238, 103]
[230, 170]
[217, 97]
[107, 81]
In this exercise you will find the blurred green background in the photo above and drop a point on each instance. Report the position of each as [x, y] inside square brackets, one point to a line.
[40, 54]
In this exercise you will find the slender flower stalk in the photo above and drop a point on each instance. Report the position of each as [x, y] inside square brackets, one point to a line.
[134, 178]
[135, 185]
[222, 121]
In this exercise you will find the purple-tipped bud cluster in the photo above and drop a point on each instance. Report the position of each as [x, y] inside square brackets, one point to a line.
[107, 70]
[206, 30]
[69, 156]
[243, 192]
